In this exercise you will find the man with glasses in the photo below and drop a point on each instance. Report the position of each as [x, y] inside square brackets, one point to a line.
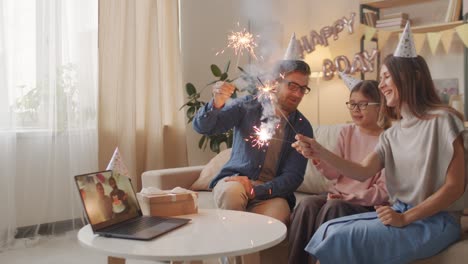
[260, 179]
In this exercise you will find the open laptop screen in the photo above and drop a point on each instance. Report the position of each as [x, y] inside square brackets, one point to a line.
[107, 198]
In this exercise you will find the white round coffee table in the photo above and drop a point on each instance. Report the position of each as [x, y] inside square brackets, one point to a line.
[212, 233]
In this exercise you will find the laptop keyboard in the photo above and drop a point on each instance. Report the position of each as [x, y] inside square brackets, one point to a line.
[138, 225]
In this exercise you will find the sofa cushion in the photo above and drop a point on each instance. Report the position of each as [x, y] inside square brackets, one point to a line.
[211, 170]
[314, 181]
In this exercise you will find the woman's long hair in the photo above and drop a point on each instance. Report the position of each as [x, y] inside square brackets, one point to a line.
[415, 87]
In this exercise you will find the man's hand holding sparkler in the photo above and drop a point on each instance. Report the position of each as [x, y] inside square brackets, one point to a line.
[245, 181]
[222, 91]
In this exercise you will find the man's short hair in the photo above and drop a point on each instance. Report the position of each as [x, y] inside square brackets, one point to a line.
[284, 67]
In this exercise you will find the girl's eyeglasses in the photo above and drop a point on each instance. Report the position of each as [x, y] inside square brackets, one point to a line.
[360, 105]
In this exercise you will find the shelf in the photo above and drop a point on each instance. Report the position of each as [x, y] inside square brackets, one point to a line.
[428, 28]
[390, 3]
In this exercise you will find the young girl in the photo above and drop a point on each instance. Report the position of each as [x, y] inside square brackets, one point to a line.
[346, 196]
[423, 156]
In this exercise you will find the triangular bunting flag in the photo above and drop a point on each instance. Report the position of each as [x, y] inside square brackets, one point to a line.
[370, 33]
[463, 33]
[447, 37]
[419, 40]
[117, 165]
[434, 39]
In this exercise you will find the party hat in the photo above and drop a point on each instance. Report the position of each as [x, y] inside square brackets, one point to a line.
[292, 53]
[117, 165]
[349, 80]
[406, 48]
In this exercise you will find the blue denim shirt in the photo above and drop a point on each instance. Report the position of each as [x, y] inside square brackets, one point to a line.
[243, 114]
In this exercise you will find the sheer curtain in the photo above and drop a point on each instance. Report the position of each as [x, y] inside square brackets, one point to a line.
[140, 87]
[48, 113]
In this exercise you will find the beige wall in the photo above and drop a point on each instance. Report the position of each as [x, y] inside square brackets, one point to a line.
[206, 23]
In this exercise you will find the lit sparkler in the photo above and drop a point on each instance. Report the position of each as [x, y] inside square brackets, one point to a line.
[266, 91]
[261, 137]
[240, 41]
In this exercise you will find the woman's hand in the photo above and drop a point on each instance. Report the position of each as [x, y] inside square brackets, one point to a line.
[390, 217]
[308, 147]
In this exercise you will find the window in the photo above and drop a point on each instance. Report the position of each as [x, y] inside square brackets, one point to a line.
[48, 64]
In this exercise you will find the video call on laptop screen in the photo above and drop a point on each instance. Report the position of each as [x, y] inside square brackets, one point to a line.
[108, 198]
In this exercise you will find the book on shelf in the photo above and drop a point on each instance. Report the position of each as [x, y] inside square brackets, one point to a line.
[391, 20]
[400, 23]
[395, 15]
[391, 28]
[370, 18]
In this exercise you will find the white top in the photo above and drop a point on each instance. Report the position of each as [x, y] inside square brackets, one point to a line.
[416, 154]
[212, 233]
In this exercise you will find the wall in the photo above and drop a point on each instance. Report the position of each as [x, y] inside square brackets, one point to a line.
[206, 23]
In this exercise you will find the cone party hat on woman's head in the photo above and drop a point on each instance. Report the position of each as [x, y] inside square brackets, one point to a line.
[292, 52]
[349, 81]
[406, 48]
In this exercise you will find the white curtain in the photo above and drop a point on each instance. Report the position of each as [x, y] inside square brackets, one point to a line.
[140, 85]
[48, 113]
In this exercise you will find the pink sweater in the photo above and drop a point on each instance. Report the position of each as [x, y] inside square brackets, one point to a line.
[355, 145]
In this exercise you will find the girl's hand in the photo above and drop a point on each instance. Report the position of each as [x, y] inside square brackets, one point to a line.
[335, 196]
[390, 217]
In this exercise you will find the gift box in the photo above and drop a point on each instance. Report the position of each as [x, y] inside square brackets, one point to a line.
[169, 204]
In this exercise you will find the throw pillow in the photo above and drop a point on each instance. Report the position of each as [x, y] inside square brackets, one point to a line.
[210, 171]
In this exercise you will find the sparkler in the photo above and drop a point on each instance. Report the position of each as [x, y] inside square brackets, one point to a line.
[265, 92]
[261, 137]
[240, 41]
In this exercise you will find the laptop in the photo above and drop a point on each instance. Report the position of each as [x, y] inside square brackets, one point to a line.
[112, 208]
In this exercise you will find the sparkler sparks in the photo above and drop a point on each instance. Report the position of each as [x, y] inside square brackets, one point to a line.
[266, 91]
[241, 41]
[261, 137]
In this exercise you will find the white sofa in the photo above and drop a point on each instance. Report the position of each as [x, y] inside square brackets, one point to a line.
[198, 178]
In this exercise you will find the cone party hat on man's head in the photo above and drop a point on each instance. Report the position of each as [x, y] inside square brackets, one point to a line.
[349, 80]
[292, 52]
[406, 48]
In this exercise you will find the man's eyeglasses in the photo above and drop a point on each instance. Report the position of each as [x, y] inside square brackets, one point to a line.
[360, 105]
[294, 86]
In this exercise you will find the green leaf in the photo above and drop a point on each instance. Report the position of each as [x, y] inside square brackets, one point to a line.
[242, 70]
[226, 69]
[214, 145]
[190, 88]
[223, 76]
[184, 105]
[201, 141]
[215, 70]
[229, 139]
[190, 112]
